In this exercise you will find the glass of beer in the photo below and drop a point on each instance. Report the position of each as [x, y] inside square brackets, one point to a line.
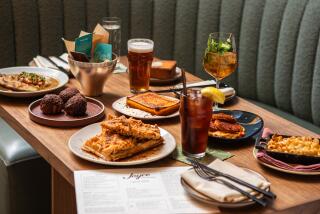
[140, 56]
[220, 58]
[195, 116]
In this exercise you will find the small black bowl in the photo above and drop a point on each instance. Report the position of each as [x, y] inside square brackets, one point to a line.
[250, 121]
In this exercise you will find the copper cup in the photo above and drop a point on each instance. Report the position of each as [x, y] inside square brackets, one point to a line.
[92, 76]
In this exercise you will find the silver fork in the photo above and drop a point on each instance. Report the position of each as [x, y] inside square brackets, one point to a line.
[207, 177]
[213, 172]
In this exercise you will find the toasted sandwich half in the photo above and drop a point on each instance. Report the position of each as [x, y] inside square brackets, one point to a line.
[154, 103]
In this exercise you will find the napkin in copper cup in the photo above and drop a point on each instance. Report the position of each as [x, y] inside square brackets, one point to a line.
[87, 44]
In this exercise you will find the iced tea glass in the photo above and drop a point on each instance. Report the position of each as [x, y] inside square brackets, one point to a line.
[195, 116]
[140, 56]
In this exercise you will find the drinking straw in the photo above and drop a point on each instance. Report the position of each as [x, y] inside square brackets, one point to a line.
[184, 94]
[184, 84]
[184, 101]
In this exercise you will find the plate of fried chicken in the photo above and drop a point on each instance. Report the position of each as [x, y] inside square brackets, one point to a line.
[234, 125]
[122, 141]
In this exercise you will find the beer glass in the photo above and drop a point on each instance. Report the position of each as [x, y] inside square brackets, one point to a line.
[140, 56]
[195, 116]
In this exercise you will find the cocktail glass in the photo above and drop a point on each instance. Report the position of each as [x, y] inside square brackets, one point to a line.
[220, 58]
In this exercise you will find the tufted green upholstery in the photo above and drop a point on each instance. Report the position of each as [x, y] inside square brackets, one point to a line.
[24, 176]
[278, 40]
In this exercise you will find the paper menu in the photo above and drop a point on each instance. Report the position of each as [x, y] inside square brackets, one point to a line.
[141, 190]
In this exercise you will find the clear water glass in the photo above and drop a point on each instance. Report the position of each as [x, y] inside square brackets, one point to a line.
[113, 26]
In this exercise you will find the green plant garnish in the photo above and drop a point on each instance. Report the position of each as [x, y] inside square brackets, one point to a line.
[219, 47]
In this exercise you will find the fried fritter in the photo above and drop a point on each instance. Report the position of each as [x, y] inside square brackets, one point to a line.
[67, 93]
[51, 104]
[76, 106]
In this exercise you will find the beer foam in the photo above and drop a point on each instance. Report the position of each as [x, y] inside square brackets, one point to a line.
[140, 47]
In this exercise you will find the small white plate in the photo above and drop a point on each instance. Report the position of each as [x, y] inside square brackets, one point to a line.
[58, 75]
[228, 91]
[255, 151]
[80, 137]
[120, 106]
[177, 76]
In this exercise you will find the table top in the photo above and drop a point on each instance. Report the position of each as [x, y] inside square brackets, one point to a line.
[52, 143]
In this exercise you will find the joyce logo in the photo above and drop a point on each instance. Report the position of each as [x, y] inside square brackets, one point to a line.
[136, 176]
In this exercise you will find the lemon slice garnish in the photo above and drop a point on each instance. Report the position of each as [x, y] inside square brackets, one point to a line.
[214, 94]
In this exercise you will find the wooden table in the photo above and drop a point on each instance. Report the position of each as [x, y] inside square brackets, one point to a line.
[295, 193]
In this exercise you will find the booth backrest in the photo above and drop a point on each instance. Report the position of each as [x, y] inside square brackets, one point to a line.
[277, 40]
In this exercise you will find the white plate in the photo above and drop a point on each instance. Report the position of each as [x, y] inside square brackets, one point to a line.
[58, 75]
[201, 197]
[177, 76]
[80, 137]
[120, 105]
[280, 169]
[228, 91]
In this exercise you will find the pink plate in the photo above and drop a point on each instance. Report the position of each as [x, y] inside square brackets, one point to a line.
[95, 112]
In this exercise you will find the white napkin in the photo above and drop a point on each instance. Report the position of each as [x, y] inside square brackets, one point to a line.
[62, 61]
[219, 191]
[42, 62]
[227, 91]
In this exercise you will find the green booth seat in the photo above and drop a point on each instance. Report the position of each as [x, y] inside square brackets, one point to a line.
[24, 176]
[277, 40]
[290, 117]
[278, 47]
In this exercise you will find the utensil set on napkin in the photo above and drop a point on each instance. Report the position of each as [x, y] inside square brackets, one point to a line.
[61, 63]
[226, 89]
[216, 182]
[57, 63]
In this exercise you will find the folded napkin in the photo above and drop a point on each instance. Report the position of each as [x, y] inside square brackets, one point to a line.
[228, 91]
[62, 61]
[42, 62]
[264, 157]
[219, 191]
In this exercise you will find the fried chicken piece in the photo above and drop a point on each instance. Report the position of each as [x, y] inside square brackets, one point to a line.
[131, 127]
[111, 146]
[223, 117]
[218, 125]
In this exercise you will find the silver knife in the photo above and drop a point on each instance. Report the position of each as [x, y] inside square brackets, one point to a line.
[176, 89]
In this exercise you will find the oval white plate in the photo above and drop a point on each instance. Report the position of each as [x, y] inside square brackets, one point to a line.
[120, 106]
[58, 75]
[78, 139]
[280, 169]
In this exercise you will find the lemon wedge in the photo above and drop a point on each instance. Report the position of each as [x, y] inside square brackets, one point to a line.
[214, 94]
